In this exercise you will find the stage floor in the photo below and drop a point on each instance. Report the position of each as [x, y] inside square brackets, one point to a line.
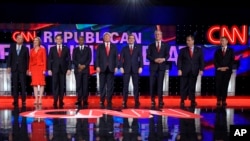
[170, 123]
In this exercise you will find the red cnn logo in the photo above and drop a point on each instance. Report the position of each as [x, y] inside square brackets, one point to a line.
[28, 36]
[235, 34]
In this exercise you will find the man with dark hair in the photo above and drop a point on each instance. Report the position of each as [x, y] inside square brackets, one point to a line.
[81, 58]
[157, 54]
[106, 66]
[190, 64]
[223, 62]
[131, 65]
[59, 64]
[17, 65]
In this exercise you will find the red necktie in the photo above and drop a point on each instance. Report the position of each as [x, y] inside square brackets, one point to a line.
[191, 52]
[224, 51]
[107, 49]
[131, 50]
[158, 46]
[59, 51]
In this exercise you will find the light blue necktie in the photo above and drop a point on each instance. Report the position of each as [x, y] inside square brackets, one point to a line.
[18, 49]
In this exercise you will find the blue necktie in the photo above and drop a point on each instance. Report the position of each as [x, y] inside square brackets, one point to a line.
[18, 49]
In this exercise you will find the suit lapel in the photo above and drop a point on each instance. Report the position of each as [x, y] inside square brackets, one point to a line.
[162, 45]
[56, 51]
[134, 49]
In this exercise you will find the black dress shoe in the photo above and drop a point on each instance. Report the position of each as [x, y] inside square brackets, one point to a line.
[193, 103]
[101, 103]
[55, 106]
[161, 103]
[224, 103]
[109, 103]
[77, 103]
[218, 103]
[124, 104]
[85, 103]
[15, 103]
[152, 103]
[182, 104]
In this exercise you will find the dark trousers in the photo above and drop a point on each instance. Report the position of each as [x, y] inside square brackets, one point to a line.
[221, 83]
[106, 85]
[156, 77]
[82, 86]
[18, 77]
[187, 86]
[135, 80]
[58, 82]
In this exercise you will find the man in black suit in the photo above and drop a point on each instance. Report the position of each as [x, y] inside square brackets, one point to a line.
[106, 66]
[190, 64]
[59, 64]
[223, 61]
[131, 65]
[81, 59]
[157, 54]
[17, 65]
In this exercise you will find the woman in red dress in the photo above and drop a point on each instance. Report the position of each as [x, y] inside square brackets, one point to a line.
[37, 68]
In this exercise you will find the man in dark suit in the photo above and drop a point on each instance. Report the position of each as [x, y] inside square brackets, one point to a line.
[131, 65]
[17, 65]
[81, 59]
[106, 66]
[59, 64]
[190, 64]
[157, 54]
[223, 61]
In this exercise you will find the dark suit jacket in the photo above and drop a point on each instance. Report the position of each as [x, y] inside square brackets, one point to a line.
[152, 54]
[187, 64]
[56, 63]
[82, 57]
[224, 61]
[103, 61]
[134, 61]
[18, 62]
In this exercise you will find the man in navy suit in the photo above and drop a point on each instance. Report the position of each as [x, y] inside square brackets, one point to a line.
[223, 62]
[106, 66]
[17, 65]
[81, 58]
[190, 63]
[157, 54]
[59, 64]
[131, 65]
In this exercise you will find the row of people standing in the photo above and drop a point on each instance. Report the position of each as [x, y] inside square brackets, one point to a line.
[190, 64]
